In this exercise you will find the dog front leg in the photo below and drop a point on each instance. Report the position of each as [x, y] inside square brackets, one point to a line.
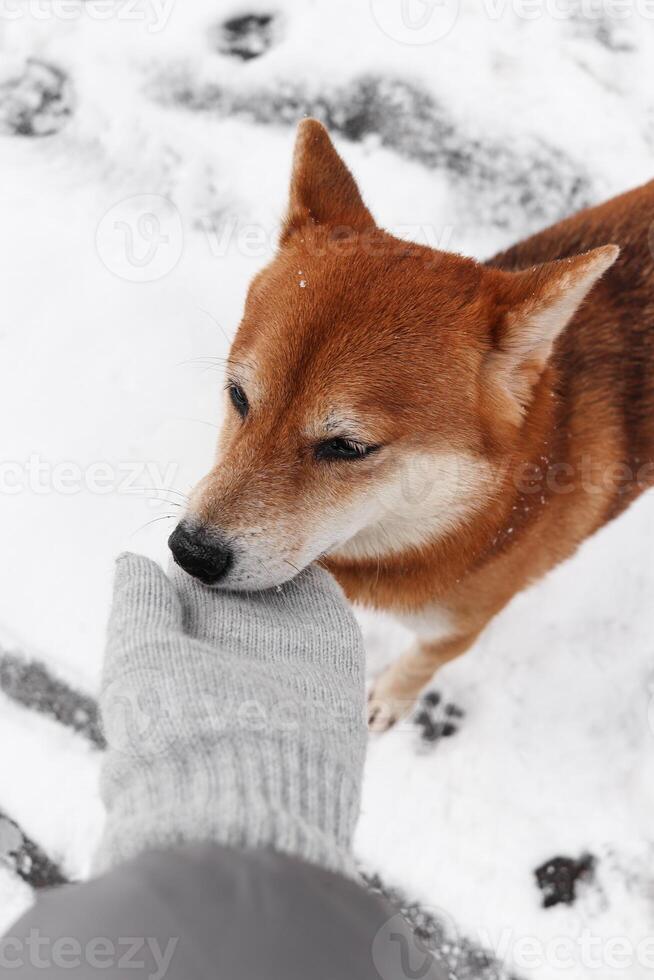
[394, 693]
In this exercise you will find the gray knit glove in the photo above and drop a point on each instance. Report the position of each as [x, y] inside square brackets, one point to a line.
[231, 717]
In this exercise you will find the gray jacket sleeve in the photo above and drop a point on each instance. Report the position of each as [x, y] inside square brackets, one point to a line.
[206, 912]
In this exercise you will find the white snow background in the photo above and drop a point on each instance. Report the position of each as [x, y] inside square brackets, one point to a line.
[103, 361]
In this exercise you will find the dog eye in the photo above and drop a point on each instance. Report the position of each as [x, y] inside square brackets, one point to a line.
[334, 449]
[239, 399]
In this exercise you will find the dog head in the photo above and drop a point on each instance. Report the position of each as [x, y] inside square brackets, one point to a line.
[371, 386]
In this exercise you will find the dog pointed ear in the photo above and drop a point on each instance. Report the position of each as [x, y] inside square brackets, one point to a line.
[533, 309]
[323, 191]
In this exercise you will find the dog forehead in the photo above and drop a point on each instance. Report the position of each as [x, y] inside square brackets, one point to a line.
[387, 294]
[332, 330]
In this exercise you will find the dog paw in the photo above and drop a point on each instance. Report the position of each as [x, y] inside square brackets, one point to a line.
[437, 719]
[392, 698]
[381, 714]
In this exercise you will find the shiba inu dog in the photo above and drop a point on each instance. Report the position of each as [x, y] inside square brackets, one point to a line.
[439, 432]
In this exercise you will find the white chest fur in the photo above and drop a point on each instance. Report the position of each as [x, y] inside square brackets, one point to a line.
[432, 623]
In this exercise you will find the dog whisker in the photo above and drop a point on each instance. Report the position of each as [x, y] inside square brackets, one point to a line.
[200, 421]
[150, 490]
[163, 517]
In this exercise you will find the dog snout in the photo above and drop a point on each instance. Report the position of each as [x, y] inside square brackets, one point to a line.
[201, 552]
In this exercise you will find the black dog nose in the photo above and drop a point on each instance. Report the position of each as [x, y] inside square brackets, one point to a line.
[200, 551]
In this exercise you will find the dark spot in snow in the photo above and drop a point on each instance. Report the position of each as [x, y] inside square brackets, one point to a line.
[25, 858]
[35, 102]
[503, 182]
[558, 877]
[246, 37]
[29, 682]
[611, 33]
[609, 36]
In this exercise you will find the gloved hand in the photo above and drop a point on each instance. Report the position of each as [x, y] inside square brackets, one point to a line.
[231, 717]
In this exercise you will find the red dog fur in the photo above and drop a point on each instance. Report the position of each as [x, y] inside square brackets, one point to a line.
[485, 417]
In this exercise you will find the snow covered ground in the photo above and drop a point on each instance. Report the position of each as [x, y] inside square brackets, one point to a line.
[144, 156]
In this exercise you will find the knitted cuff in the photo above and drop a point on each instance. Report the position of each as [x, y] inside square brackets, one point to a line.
[252, 793]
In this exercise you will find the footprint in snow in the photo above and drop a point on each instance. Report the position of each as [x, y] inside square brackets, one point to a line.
[36, 101]
[247, 36]
[437, 719]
